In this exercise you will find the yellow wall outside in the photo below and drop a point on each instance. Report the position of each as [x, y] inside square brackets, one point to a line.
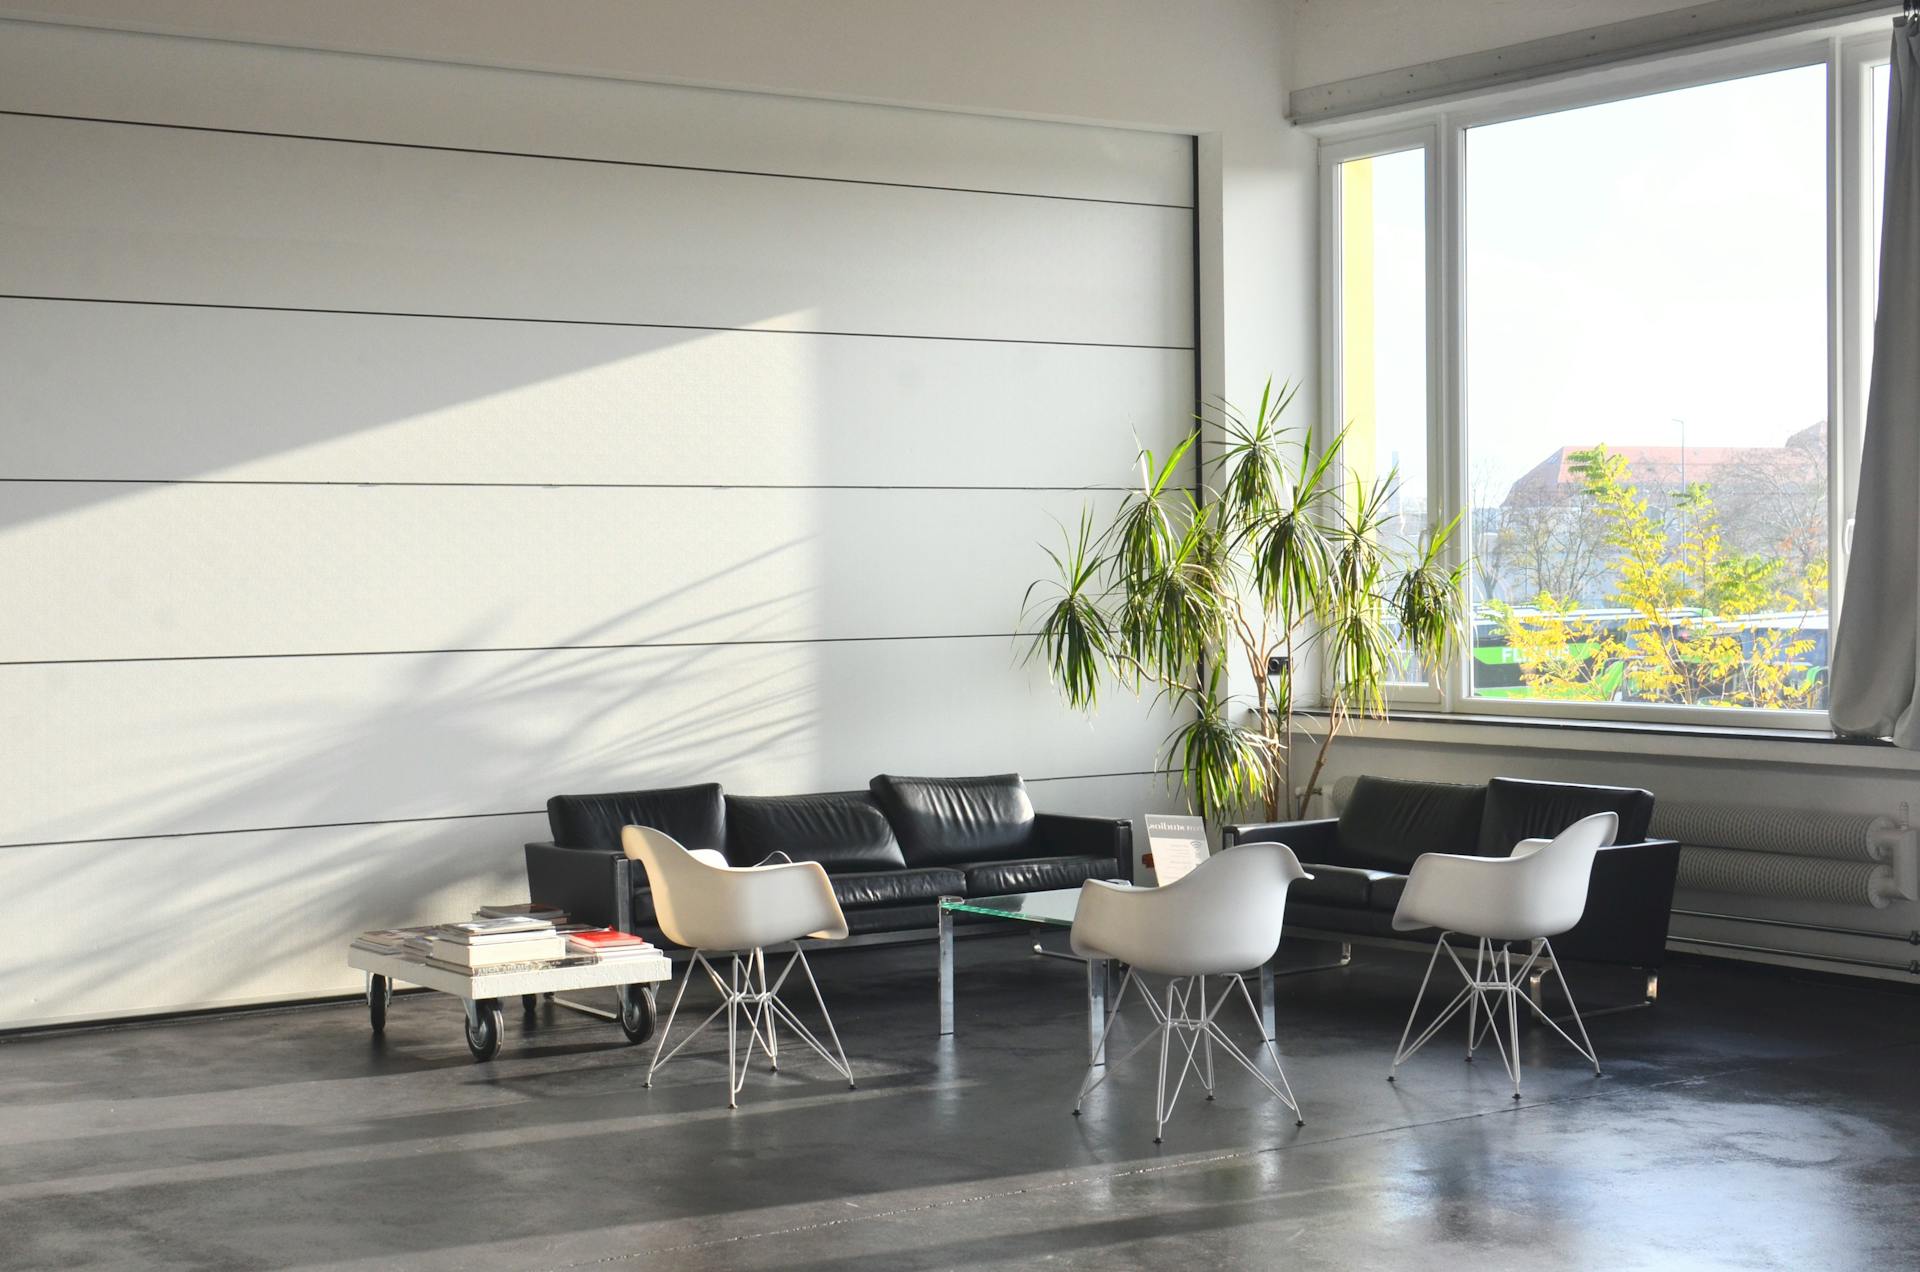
[1357, 319]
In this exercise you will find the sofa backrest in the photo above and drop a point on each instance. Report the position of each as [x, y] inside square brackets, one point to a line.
[694, 815]
[845, 832]
[943, 820]
[1387, 823]
[1518, 809]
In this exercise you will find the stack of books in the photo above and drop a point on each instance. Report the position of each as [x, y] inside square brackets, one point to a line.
[490, 945]
[609, 944]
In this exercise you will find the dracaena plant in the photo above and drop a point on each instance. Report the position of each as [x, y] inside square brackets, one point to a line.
[1273, 564]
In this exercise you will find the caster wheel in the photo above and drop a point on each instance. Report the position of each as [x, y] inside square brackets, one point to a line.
[1300, 1121]
[379, 994]
[637, 1015]
[530, 1003]
[483, 1037]
[1076, 1112]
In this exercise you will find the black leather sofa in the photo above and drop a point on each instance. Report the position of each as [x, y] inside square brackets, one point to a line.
[891, 851]
[1360, 859]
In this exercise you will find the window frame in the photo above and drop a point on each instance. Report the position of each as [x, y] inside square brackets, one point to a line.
[1849, 53]
[1430, 694]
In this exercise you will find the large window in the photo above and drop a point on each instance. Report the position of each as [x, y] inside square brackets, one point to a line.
[1643, 406]
[1646, 397]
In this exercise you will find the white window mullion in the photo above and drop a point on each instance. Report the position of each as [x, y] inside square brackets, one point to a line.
[1449, 425]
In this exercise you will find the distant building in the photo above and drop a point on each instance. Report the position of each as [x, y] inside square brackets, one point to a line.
[1544, 537]
[1801, 457]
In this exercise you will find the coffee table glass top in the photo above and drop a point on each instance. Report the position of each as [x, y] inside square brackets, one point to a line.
[1054, 908]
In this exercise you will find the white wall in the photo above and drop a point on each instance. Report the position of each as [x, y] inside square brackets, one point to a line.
[375, 526]
[1215, 68]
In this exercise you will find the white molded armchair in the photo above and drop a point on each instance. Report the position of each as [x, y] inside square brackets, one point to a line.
[713, 908]
[1530, 896]
[1220, 920]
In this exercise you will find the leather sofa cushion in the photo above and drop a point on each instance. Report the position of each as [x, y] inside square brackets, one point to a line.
[1037, 874]
[1387, 891]
[1336, 885]
[694, 815]
[843, 832]
[943, 821]
[896, 887]
[1518, 809]
[1388, 823]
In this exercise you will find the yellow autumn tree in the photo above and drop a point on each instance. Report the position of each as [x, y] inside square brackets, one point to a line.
[1677, 638]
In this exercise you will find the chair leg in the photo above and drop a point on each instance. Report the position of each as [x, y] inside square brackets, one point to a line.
[1473, 1007]
[1286, 1092]
[1585, 1045]
[660, 1053]
[1206, 1037]
[753, 1007]
[1513, 1017]
[837, 1058]
[733, 1029]
[1097, 1072]
[1194, 1060]
[1179, 1012]
[1495, 974]
[1160, 1109]
[772, 1042]
[1459, 1000]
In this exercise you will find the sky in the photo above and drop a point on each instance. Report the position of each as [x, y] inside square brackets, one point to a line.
[1632, 270]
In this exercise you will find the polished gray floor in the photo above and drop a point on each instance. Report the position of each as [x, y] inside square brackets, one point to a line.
[1752, 1120]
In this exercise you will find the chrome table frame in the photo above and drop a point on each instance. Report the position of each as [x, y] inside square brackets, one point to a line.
[1100, 977]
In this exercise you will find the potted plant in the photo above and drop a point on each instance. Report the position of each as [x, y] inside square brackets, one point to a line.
[1272, 563]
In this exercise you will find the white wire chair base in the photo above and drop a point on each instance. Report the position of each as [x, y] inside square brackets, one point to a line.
[1493, 976]
[1185, 1013]
[748, 1000]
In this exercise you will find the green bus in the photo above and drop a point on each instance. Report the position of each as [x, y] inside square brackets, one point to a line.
[1497, 669]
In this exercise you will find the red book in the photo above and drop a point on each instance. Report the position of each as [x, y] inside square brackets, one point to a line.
[604, 939]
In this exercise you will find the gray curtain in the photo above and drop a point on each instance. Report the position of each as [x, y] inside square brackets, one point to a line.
[1876, 653]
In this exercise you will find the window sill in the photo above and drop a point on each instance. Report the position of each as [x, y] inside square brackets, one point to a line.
[1800, 748]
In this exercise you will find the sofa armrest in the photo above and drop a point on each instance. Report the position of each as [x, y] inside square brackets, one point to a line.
[1317, 840]
[1064, 835]
[593, 885]
[1629, 906]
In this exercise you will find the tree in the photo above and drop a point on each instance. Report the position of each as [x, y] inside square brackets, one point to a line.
[1277, 561]
[1682, 592]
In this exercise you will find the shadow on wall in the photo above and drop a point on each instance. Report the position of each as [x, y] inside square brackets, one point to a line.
[202, 917]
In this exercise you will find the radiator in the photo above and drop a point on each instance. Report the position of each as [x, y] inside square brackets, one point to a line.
[1795, 853]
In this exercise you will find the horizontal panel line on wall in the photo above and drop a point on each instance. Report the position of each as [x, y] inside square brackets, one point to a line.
[506, 649]
[447, 817]
[589, 159]
[588, 322]
[351, 484]
[328, 397]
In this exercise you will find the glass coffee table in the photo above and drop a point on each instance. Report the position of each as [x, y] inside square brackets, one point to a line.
[1052, 909]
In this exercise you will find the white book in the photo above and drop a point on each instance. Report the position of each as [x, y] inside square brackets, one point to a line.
[530, 949]
[521, 910]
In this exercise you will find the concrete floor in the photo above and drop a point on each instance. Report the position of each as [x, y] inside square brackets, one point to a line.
[1752, 1120]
